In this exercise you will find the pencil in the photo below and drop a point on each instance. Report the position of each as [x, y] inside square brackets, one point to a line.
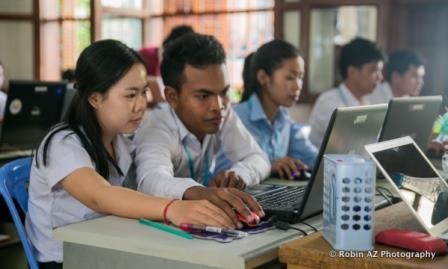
[165, 228]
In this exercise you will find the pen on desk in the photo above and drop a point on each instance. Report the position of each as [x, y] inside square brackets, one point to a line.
[203, 228]
[165, 228]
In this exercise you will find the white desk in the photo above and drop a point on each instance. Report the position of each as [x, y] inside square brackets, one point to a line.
[113, 242]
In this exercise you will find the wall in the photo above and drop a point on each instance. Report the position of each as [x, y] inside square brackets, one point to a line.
[16, 38]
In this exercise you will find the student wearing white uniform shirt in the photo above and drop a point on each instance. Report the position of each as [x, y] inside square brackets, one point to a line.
[177, 145]
[80, 166]
[405, 72]
[361, 65]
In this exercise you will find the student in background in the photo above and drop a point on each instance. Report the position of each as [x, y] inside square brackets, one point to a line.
[152, 57]
[361, 65]
[405, 72]
[79, 168]
[273, 79]
[176, 145]
[3, 95]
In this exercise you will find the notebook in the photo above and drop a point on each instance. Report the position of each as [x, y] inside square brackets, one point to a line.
[349, 129]
[414, 177]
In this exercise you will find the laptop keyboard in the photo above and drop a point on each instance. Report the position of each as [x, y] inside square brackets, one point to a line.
[282, 199]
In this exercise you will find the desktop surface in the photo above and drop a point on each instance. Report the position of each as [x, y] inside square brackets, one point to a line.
[313, 251]
[112, 236]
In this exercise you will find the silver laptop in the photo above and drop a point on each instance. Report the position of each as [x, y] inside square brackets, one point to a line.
[416, 180]
[349, 129]
[411, 116]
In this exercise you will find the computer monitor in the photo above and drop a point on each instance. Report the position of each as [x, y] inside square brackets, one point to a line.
[31, 109]
[411, 116]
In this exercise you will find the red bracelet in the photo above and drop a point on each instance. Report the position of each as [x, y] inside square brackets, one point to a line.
[165, 210]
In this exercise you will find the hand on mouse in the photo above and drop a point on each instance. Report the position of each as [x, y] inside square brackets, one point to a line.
[287, 168]
[251, 220]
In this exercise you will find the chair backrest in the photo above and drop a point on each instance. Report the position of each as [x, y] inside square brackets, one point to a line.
[14, 179]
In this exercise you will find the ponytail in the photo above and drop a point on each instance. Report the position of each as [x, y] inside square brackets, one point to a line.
[268, 57]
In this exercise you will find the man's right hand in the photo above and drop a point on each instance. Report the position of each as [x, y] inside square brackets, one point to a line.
[228, 199]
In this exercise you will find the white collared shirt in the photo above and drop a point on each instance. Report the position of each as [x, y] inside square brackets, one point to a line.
[324, 106]
[382, 94]
[49, 205]
[162, 160]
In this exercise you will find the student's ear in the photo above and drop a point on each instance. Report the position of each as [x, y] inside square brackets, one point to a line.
[95, 99]
[352, 71]
[262, 78]
[171, 96]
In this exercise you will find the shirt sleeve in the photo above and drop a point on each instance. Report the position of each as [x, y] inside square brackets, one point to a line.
[300, 147]
[320, 117]
[65, 155]
[238, 145]
[154, 154]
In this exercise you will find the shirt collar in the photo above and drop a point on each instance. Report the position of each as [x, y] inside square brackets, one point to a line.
[350, 98]
[184, 133]
[257, 112]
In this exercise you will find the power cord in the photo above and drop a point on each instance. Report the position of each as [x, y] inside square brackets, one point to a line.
[283, 225]
[388, 199]
[391, 196]
[309, 225]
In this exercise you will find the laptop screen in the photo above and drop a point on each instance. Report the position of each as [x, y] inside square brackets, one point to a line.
[416, 180]
[423, 110]
[31, 109]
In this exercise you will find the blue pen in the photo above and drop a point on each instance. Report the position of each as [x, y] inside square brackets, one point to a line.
[165, 228]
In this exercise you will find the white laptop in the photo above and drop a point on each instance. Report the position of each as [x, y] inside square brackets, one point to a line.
[416, 180]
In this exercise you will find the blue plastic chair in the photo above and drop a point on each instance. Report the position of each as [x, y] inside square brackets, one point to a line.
[14, 179]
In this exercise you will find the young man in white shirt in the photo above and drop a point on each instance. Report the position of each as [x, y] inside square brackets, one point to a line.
[360, 65]
[176, 145]
[405, 72]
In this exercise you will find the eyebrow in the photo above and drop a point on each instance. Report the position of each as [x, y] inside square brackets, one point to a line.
[207, 91]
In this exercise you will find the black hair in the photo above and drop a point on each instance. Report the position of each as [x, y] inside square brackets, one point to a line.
[400, 61]
[193, 49]
[177, 32]
[246, 70]
[269, 57]
[100, 66]
[357, 53]
[68, 75]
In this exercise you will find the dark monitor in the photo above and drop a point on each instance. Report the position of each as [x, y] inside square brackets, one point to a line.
[411, 116]
[31, 109]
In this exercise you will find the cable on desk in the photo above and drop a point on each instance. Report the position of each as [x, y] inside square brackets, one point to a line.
[386, 190]
[309, 225]
[389, 200]
[283, 225]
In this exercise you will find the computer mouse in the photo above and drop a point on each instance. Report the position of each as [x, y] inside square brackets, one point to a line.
[303, 176]
[251, 221]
